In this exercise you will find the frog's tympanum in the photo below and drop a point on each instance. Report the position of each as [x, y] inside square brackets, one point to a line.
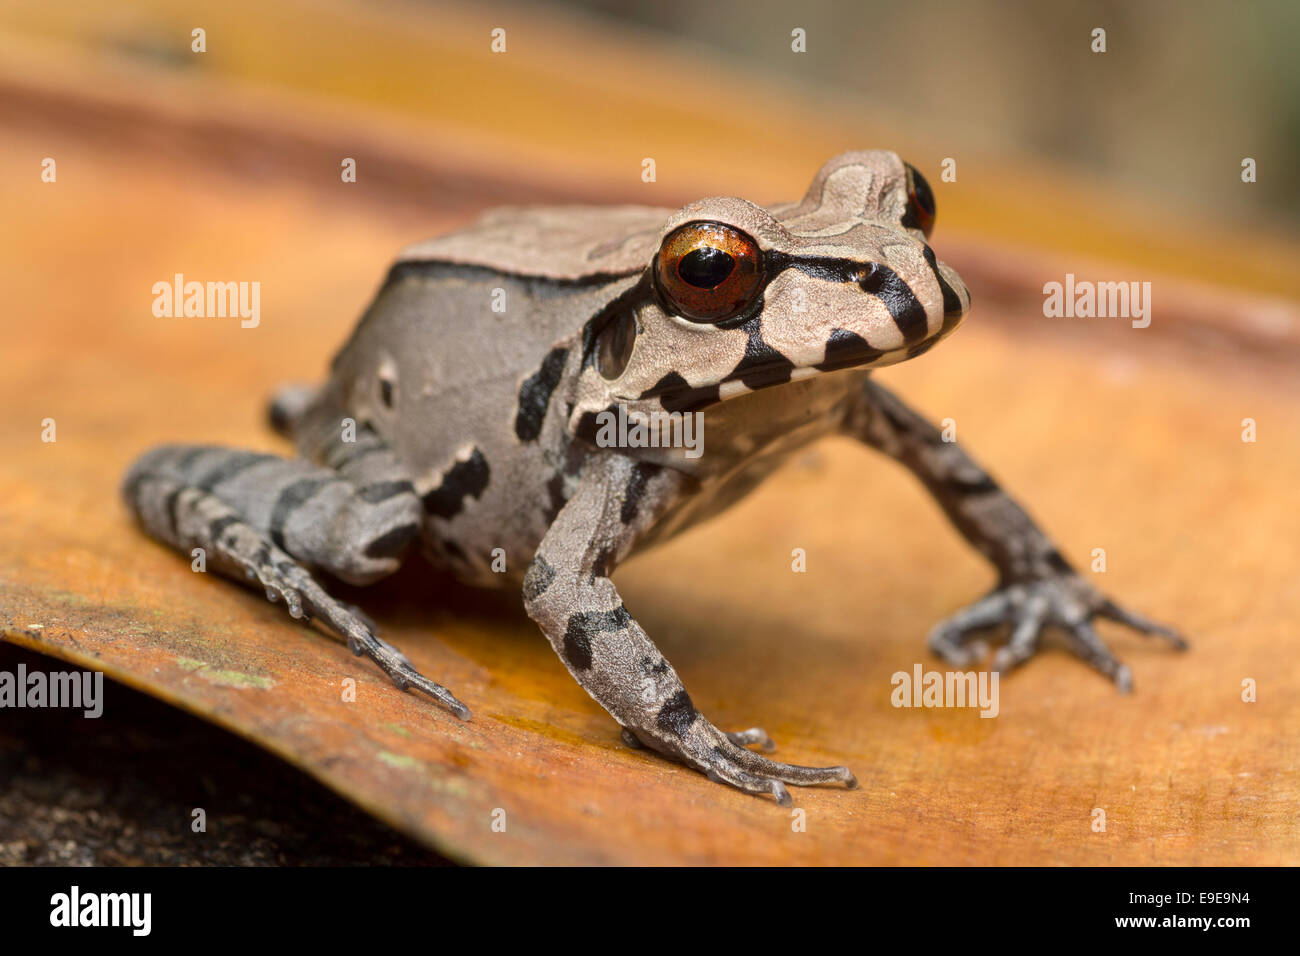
[463, 414]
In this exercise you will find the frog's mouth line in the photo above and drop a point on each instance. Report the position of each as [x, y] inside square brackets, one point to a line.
[763, 367]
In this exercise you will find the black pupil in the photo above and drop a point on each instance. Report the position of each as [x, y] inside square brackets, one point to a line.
[705, 267]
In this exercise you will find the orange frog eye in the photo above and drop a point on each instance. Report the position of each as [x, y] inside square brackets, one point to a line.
[709, 271]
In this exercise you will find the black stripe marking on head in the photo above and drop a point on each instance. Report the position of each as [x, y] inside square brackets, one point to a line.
[761, 365]
[845, 349]
[904, 307]
[464, 479]
[873, 277]
[675, 394]
[952, 306]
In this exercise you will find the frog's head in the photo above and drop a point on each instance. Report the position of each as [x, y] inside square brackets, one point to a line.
[738, 297]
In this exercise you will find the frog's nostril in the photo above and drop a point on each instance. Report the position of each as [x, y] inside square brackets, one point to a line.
[871, 277]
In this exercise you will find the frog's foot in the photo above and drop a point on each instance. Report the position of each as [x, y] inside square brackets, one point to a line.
[1063, 600]
[724, 758]
[286, 580]
[754, 735]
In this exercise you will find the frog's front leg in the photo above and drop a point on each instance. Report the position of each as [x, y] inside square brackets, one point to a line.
[567, 591]
[1037, 587]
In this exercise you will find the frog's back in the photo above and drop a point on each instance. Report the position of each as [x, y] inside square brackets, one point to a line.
[491, 300]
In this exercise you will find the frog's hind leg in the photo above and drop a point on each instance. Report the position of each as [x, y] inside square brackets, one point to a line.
[263, 520]
[567, 591]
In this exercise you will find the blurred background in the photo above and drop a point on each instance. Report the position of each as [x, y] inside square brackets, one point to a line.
[1113, 153]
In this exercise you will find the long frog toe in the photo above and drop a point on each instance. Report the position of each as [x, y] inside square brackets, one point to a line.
[752, 736]
[723, 758]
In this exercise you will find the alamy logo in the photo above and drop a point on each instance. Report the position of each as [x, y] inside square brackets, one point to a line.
[635, 429]
[951, 689]
[1102, 300]
[77, 690]
[75, 908]
[210, 300]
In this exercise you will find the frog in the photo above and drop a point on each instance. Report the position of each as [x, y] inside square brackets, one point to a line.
[461, 420]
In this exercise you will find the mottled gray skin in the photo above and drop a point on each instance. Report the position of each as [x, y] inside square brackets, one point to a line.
[472, 430]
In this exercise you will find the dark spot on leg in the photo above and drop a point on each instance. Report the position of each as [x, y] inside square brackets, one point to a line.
[583, 626]
[577, 647]
[891, 409]
[288, 501]
[677, 714]
[393, 542]
[648, 666]
[641, 473]
[231, 466]
[220, 525]
[538, 579]
[169, 509]
[383, 490]
[188, 457]
[980, 485]
[1057, 562]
